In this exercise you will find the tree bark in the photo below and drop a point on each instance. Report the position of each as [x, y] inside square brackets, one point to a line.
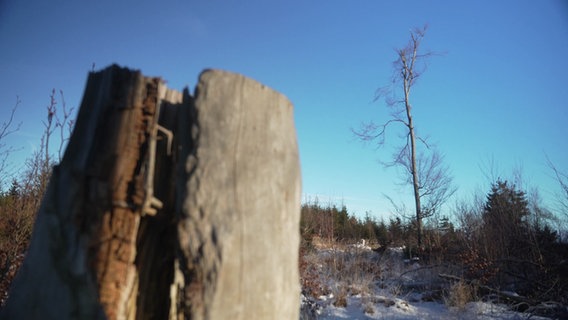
[239, 230]
[407, 81]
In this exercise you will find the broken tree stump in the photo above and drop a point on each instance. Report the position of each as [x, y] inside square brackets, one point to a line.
[237, 234]
[169, 206]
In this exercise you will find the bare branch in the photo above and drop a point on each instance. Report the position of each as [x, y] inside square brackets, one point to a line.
[424, 142]
[400, 209]
[562, 179]
[371, 131]
[6, 129]
[382, 92]
[436, 183]
[65, 125]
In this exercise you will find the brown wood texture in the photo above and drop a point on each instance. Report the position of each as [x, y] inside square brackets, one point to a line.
[114, 250]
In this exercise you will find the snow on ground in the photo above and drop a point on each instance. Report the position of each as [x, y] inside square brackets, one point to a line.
[404, 310]
[383, 298]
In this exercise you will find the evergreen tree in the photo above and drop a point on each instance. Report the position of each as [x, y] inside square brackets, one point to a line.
[505, 221]
[381, 232]
[445, 225]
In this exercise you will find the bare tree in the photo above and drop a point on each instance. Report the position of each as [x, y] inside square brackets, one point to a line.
[562, 179]
[6, 128]
[425, 171]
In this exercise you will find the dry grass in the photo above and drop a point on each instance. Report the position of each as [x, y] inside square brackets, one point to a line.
[340, 295]
[340, 269]
[368, 306]
[459, 295]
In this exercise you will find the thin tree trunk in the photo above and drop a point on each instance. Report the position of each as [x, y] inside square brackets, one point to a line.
[408, 76]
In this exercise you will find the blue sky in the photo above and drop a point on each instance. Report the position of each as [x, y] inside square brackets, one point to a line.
[498, 94]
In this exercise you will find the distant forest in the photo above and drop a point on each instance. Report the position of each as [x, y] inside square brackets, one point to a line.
[504, 240]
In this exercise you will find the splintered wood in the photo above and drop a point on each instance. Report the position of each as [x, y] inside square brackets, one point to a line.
[115, 251]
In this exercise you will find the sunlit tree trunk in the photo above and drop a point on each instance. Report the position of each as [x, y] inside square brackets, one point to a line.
[408, 77]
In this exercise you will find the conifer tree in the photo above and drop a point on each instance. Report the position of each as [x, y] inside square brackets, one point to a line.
[505, 220]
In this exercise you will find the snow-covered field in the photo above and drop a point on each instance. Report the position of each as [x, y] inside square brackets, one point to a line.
[402, 309]
[357, 283]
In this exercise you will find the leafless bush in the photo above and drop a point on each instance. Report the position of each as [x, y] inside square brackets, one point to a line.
[341, 270]
[20, 204]
[7, 128]
[561, 178]
[311, 282]
[459, 295]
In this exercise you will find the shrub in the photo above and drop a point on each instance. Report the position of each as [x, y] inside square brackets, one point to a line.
[459, 294]
[18, 206]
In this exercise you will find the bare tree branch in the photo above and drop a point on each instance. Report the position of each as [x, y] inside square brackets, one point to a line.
[437, 184]
[562, 179]
[6, 129]
[399, 208]
[64, 124]
[371, 131]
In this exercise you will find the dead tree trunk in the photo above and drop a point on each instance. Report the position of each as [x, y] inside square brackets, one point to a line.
[169, 206]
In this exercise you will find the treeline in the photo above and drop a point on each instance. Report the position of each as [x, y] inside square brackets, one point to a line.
[506, 242]
[333, 224]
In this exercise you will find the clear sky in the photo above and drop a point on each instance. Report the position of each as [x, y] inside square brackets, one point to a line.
[499, 93]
